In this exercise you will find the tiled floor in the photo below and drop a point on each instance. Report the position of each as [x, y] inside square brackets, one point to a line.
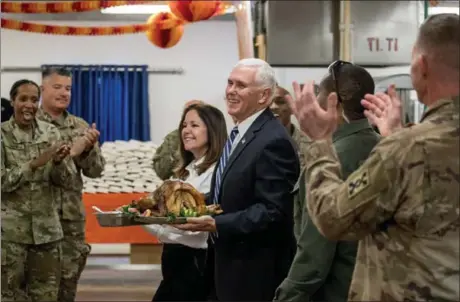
[114, 279]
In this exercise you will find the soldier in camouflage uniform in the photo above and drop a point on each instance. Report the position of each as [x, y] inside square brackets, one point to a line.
[33, 158]
[167, 156]
[56, 86]
[402, 203]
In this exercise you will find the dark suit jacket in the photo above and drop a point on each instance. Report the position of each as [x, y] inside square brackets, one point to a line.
[255, 242]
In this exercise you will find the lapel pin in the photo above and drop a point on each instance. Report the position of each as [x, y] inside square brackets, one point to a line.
[243, 141]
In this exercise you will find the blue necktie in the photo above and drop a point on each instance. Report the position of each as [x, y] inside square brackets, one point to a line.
[223, 162]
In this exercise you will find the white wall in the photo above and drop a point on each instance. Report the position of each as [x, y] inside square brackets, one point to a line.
[287, 75]
[207, 52]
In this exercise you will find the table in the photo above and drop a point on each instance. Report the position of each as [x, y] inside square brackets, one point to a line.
[109, 202]
[145, 248]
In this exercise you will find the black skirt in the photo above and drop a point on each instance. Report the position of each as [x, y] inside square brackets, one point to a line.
[185, 274]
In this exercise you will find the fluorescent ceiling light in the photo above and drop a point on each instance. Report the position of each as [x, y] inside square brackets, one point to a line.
[434, 10]
[144, 9]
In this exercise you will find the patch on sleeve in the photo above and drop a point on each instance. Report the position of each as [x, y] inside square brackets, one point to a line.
[358, 183]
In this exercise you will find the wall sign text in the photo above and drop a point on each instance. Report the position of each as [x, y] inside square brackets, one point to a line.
[376, 44]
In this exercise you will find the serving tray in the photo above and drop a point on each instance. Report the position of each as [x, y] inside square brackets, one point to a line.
[116, 219]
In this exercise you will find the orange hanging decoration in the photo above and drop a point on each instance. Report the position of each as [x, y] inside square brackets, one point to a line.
[58, 7]
[193, 11]
[72, 30]
[164, 29]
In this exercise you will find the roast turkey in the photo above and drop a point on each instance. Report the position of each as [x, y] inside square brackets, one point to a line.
[174, 197]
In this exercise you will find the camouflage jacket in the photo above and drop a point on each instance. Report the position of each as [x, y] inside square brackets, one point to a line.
[91, 164]
[322, 268]
[28, 200]
[402, 204]
[167, 156]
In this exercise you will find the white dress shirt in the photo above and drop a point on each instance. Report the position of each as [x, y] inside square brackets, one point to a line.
[243, 128]
[169, 234]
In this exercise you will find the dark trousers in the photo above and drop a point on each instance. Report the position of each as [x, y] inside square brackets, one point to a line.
[209, 274]
[185, 276]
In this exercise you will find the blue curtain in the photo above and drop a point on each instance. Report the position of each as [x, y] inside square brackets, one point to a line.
[115, 97]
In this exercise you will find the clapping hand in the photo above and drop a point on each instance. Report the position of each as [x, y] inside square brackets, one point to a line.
[45, 156]
[79, 146]
[384, 111]
[85, 142]
[92, 135]
[314, 121]
[61, 153]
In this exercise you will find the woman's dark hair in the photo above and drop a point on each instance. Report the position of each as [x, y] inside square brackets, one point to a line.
[214, 120]
[14, 89]
[354, 83]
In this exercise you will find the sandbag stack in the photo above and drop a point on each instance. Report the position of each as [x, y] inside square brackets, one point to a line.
[128, 169]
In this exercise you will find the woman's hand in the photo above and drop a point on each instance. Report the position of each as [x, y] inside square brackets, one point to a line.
[61, 153]
[44, 157]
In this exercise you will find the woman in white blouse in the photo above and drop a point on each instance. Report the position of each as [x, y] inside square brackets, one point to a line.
[183, 262]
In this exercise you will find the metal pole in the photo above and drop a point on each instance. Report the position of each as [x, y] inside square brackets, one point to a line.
[336, 12]
[345, 33]
[341, 31]
[177, 71]
[165, 71]
[243, 30]
[425, 9]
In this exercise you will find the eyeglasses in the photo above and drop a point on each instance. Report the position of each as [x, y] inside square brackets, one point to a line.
[334, 70]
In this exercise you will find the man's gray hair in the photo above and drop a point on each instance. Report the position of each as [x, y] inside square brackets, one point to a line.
[265, 75]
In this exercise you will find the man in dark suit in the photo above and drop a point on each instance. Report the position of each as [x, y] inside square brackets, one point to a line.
[253, 238]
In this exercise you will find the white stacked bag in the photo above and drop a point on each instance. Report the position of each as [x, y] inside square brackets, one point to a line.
[128, 169]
